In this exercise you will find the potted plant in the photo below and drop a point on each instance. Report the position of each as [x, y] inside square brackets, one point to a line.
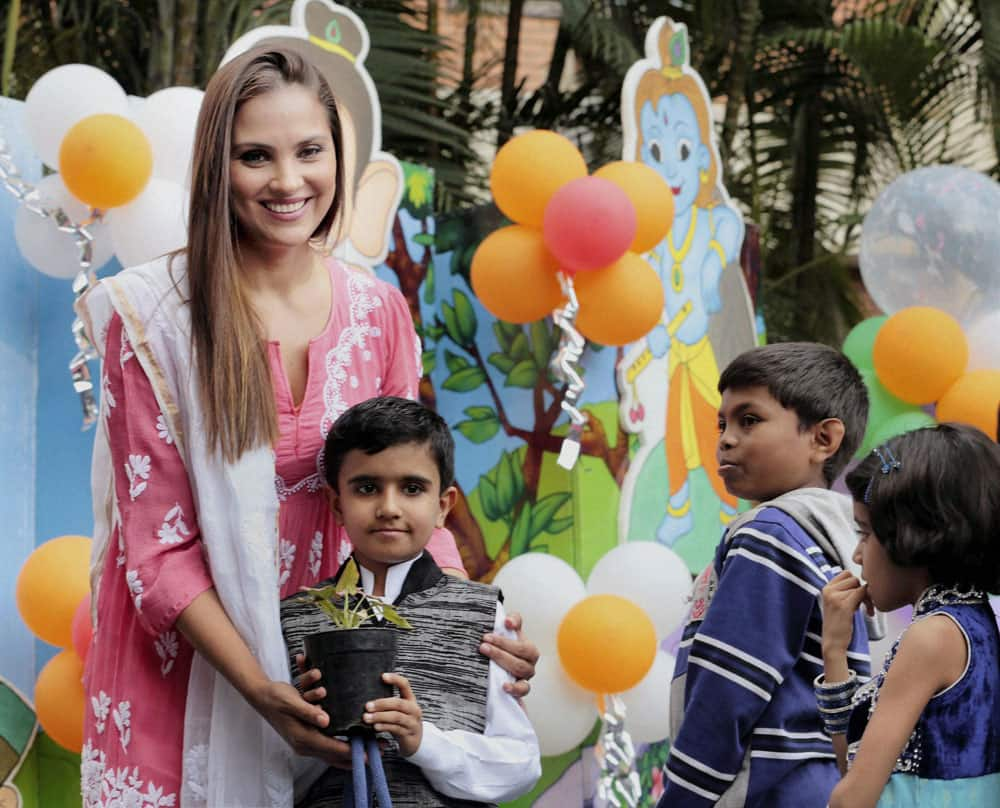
[353, 656]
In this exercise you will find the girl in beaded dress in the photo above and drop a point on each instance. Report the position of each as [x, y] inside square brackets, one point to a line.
[926, 730]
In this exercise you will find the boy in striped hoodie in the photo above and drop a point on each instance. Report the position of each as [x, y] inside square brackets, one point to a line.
[745, 728]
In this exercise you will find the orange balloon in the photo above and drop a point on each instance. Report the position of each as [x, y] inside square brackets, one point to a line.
[514, 275]
[973, 399]
[918, 354]
[59, 700]
[651, 196]
[105, 160]
[620, 303]
[606, 643]
[50, 586]
[528, 169]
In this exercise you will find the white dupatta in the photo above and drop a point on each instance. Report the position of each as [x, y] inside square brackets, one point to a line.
[232, 756]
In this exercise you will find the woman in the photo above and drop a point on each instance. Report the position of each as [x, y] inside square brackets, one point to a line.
[224, 367]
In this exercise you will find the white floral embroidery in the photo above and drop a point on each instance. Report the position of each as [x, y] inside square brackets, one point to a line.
[196, 770]
[286, 558]
[126, 350]
[120, 560]
[316, 554]
[100, 704]
[161, 429]
[117, 788]
[345, 550]
[137, 469]
[123, 719]
[174, 529]
[366, 355]
[167, 646]
[107, 397]
[354, 382]
[312, 484]
[135, 587]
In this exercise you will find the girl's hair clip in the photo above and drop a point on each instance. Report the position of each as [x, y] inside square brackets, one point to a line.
[889, 464]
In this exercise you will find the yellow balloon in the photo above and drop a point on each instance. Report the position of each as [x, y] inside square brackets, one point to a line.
[974, 399]
[514, 275]
[650, 195]
[59, 700]
[619, 303]
[105, 160]
[530, 168]
[607, 643]
[50, 586]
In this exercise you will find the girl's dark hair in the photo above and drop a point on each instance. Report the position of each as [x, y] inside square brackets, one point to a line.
[940, 508]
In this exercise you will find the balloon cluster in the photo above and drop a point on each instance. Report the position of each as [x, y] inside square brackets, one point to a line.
[53, 598]
[123, 166]
[928, 258]
[599, 639]
[592, 228]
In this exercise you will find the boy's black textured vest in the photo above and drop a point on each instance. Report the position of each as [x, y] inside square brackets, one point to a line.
[440, 657]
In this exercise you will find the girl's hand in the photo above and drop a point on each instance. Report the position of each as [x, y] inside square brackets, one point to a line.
[841, 599]
[517, 657]
[402, 716]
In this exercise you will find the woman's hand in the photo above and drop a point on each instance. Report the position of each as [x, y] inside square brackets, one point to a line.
[299, 722]
[517, 657]
[841, 599]
[306, 683]
[401, 717]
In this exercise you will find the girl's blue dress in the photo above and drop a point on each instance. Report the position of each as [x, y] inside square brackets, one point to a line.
[952, 759]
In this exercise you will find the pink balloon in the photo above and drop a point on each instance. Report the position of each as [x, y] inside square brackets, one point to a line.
[82, 630]
[589, 223]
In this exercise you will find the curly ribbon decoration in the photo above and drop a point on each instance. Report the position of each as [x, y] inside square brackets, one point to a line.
[28, 196]
[571, 345]
[619, 785]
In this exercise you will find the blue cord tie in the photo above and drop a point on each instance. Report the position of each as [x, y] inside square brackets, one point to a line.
[357, 793]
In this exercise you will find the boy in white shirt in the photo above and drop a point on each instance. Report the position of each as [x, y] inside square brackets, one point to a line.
[389, 463]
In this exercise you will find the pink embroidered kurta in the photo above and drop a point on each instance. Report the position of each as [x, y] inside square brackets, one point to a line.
[137, 671]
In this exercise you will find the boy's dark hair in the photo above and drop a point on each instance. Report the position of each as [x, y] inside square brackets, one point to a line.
[380, 423]
[940, 509]
[813, 380]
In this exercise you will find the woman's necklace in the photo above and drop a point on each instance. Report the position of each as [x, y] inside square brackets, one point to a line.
[677, 271]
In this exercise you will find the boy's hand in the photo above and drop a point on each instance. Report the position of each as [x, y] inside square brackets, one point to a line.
[305, 682]
[841, 599]
[517, 657]
[402, 716]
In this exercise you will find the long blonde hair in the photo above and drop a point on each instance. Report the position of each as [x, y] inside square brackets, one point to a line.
[234, 375]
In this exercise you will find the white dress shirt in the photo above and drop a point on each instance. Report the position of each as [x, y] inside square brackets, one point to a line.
[499, 764]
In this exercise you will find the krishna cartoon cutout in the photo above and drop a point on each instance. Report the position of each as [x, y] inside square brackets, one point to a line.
[668, 381]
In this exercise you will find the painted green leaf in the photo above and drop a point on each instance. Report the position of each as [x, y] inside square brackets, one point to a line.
[506, 484]
[466, 317]
[502, 362]
[481, 413]
[429, 280]
[451, 324]
[455, 362]
[424, 239]
[465, 380]
[429, 361]
[541, 343]
[506, 332]
[519, 348]
[545, 510]
[520, 536]
[557, 526]
[478, 431]
[488, 499]
[523, 374]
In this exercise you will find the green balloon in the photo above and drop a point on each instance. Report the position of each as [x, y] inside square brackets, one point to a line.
[882, 406]
[860, 341]
[898, 424]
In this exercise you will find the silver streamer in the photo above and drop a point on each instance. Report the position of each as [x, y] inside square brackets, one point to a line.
[619, 785]
[28, 196]
[562, 366]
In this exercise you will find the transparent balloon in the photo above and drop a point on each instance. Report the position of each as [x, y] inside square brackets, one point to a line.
[932, 238]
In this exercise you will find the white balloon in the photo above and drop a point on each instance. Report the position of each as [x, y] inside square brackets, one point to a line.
[63, 97]
[647, 705]
[152, 224]
[542, 588]
[562, 713]
[984, 343]
[168, 118]
[650, 574]
[931, 239]
[48, 249]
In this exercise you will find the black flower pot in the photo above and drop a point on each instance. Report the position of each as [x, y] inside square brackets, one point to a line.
[352, 662]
